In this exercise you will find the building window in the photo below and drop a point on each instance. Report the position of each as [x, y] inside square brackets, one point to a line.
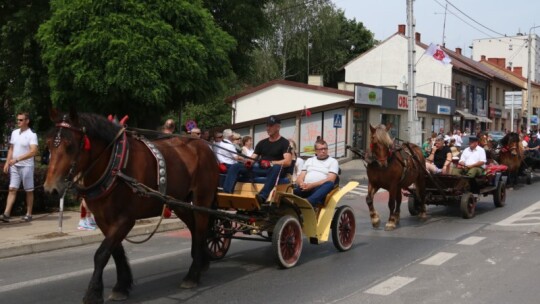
[438, 123]
[391, 122]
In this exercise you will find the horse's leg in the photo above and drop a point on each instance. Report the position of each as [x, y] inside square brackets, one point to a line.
[391, 224]
[199, 230]
[124, 280]
[110, 246]
[375, 219]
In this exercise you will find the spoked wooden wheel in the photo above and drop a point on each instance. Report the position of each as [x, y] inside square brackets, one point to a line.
[219, 238]
[287, 241]
[343, 228]
[499, 196]
[468, 205]
[413, 209]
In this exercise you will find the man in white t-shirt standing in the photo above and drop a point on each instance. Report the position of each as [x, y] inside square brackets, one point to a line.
[318, 175]
[23, 146]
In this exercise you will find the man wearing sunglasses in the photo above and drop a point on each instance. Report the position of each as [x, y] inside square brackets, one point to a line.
[23, 146]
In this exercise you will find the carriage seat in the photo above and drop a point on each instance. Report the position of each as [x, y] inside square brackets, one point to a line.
[256, 179]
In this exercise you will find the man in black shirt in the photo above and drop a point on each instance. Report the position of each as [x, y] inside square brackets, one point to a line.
[274, 154]
[440, 158]
[533, 146]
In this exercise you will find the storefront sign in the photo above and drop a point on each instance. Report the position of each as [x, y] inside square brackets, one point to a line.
[403, 103]
[368, 96]
[444, 110]
[494, 112]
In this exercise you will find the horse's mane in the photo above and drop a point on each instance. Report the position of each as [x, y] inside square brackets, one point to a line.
[382, 137]
[510, 138]
[96, 126]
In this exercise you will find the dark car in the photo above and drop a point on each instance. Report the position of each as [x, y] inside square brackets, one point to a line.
[3, 155]
[497, 135]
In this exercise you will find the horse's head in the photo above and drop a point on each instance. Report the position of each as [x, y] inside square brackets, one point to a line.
[511, 144]
[381, 144]
[65, 142]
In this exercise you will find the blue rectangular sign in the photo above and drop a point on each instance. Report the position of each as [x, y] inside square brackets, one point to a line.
[338, 121]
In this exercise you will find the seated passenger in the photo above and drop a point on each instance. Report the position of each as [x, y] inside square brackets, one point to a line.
[274, 154]
[440, 158]
[472, 161]
[225, 150]
[533, 146]
[318, 176]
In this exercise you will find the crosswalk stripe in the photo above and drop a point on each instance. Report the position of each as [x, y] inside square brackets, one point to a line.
[515, 218]
[472, 240]
[389, 286]
[438, 259]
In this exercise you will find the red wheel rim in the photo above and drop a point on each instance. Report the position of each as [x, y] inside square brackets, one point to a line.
[347, 228]
[290, 242]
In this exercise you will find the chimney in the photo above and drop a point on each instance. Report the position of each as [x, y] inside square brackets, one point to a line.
[401, 29]
[417, 37]
[509, 68]
[483, 58]
[458, 51]
[518, 70]
[500, 62]
[316, 80]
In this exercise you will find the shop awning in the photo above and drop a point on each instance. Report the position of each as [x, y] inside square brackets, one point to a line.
[483, 119]
[465, 115]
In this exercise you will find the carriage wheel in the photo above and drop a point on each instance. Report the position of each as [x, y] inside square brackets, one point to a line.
[468, 205]
[219, 238]
[529, 176]
[413, 209]
[499, 197]
[343, 228]
[287, 241]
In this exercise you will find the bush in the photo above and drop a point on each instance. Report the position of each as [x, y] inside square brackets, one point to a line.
[42, 202]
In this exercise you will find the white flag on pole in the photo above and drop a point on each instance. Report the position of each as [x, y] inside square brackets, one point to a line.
[437, 53]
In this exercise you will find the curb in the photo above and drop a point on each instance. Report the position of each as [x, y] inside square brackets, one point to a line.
[70, 240]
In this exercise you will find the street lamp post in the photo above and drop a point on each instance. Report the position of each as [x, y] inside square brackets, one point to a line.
[529, 89]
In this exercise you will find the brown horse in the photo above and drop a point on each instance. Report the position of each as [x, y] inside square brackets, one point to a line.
[511, 154]
[106, 157]
[393, 170]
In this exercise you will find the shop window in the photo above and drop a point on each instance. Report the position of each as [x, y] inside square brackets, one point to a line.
[391, 122]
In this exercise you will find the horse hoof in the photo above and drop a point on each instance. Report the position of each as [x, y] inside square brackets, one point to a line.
[186, 284]
[423, 216]
[375, 224]
[390, 227]
[118, 296]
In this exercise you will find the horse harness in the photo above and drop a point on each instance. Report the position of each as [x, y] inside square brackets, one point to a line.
[404, 160]
[118, 161]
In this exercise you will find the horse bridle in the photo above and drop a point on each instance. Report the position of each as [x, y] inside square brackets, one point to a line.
[83, 142]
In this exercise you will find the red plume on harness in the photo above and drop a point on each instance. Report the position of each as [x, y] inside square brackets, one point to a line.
[86, 143]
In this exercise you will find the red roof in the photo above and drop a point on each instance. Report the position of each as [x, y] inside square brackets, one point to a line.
[291, 84]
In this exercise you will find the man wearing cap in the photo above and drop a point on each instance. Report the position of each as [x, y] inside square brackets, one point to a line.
[472, 161]
[533, 146]
[274, 155]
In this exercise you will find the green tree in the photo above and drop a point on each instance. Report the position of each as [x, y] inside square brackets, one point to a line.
[139, 58]
[23, 77]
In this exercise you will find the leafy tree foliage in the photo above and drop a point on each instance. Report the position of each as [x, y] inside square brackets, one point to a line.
[133, 57]
[23, 78]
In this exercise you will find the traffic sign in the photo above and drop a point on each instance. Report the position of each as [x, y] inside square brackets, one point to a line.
[337, 121]
[190, 124]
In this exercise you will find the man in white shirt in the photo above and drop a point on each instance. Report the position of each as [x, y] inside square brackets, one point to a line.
[318, 175]
[23, 146]
[226, 152]
[472, 161]
[457, 137]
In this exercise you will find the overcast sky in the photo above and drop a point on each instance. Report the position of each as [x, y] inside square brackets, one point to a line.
[494, 18]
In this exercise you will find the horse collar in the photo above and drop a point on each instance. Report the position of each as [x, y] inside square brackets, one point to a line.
[107, 181]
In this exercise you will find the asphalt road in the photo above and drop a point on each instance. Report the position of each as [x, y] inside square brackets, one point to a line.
[492, 258]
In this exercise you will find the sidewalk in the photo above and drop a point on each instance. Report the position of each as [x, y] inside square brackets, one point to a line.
[43, 233]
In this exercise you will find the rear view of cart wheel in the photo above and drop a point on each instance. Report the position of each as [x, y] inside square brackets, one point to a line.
[468, 205]
[343, 228]
[287, 241]
[219, 238]
[413, 209]
[499, 196]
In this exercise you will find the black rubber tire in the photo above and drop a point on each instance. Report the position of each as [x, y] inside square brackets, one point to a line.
[287, 241]
[343, 228]
[218, 241]
[468, 205]
[499, 196]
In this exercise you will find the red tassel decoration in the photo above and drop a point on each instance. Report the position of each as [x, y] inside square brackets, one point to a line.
[167, 212]
[86, 143]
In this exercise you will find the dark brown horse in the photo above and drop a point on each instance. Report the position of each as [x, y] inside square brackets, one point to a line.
[393, 169]
[511, 155]
[103, 154]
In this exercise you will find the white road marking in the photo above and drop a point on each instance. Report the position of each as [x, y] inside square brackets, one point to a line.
[65, 276]
[438, 259]
[389, 286]
[515, 218]
[473, 240]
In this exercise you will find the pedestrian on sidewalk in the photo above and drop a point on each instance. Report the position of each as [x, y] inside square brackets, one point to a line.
[86, 222]
[23, 146]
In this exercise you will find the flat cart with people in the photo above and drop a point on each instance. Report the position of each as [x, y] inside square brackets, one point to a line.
[445, 189]
[282, 221]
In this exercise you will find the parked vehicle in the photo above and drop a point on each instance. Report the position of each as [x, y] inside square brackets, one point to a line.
[497, 135]
[3, 155]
